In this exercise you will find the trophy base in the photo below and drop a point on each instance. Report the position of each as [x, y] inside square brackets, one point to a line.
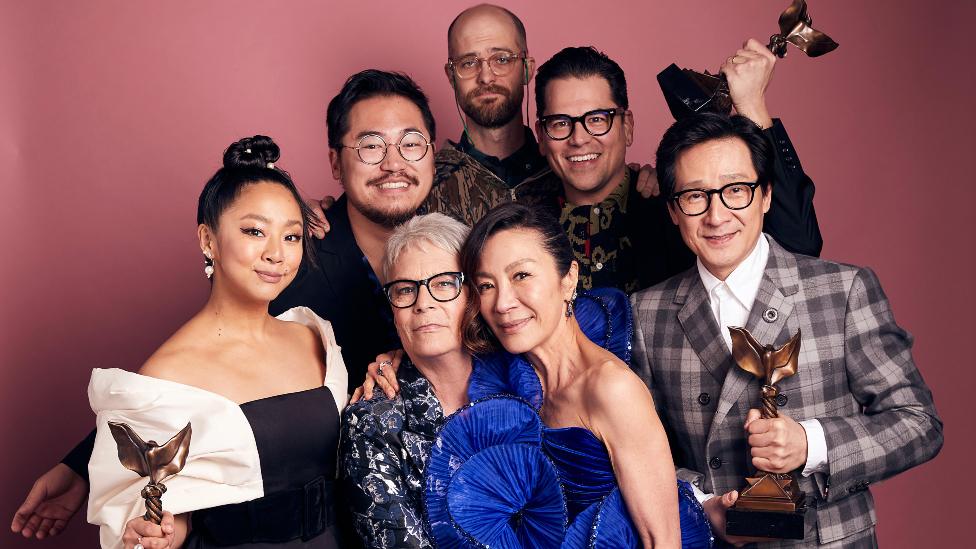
[764, 524]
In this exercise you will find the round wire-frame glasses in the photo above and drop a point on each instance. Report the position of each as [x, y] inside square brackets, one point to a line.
[500, 63]
[371, 148]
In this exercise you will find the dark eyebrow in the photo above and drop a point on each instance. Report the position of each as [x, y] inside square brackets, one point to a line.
[263, 219]
[364, 133]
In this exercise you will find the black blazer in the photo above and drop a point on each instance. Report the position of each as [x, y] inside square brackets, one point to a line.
[339, 285]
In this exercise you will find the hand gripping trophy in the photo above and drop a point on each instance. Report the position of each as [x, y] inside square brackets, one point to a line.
[149, 459]
[773, 504]
[688, 92]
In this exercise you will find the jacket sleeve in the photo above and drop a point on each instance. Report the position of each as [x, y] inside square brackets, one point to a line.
[374, 479]
[79, 456]
[791, 220]
[898, 426]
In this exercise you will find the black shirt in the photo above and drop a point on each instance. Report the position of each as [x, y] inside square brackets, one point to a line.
[515, 168]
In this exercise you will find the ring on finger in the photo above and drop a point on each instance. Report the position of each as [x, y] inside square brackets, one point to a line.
[138, 546]
[384, 364]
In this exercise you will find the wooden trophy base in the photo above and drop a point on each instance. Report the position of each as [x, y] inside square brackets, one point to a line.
[771, 507]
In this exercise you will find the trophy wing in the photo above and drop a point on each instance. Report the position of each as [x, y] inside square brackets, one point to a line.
[785, 359]
[747, 352]
[796, 12]
[168, 459]
[132, 449]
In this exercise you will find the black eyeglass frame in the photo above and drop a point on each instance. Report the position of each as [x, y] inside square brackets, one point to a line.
[611, 114]
[675, 197]
[459, 276]
[454, 63]
[386, 148]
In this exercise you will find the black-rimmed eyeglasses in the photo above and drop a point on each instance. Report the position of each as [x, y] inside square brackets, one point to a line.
[735, 196]
[442, 287]
[596, 123]
[372, 147]
[500, 64]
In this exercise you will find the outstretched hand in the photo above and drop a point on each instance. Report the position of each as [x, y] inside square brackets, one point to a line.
[55, 497]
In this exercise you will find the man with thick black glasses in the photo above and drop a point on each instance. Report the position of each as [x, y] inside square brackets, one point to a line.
[619, 237]
[857, 410]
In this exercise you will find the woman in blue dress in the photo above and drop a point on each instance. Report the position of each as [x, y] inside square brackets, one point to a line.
[600, 429]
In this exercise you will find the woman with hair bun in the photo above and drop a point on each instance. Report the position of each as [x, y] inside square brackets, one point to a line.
[262, 394]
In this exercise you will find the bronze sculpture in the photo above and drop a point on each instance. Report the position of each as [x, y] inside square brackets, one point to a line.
[773, 504]
[149, 459]
[688, 92]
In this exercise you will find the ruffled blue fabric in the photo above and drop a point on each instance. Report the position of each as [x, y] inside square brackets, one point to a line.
[605, 316]
[504, 373]
[489, 484]
[593, 499]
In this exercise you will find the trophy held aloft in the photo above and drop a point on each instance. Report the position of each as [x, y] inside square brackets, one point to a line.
[688, 92]
[772, 505]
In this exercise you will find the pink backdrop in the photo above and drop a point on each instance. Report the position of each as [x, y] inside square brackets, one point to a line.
[114, 113]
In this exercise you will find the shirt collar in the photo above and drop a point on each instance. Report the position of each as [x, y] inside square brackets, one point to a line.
[616, 198]
[743, 282]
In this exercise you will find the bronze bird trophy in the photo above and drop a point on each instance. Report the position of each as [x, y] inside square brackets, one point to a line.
[772, 505]
[149, 459]
[688, 92]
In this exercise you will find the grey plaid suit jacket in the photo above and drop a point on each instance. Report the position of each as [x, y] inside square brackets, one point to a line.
[855, 375]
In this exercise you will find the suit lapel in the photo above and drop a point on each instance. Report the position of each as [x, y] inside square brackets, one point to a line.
[700, 327]
[767, 323]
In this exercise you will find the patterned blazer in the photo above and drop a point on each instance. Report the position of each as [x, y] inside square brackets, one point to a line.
[855, 375]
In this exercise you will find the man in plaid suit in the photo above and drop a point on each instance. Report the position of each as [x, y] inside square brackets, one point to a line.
[856, 412]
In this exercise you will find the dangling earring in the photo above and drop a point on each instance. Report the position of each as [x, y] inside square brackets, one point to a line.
[208, 265]
[569, 305]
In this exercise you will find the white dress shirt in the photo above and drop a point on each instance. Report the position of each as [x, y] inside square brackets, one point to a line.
[731, 301]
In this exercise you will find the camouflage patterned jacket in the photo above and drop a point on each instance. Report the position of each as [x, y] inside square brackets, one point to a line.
[465, 190]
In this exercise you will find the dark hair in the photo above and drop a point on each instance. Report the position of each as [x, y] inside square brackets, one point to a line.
[475, 334]
[373, 83]
[699, 128]
[519, 27]
[580, 62]
[246, 162]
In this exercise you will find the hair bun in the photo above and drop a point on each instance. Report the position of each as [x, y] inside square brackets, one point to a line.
[252, 152]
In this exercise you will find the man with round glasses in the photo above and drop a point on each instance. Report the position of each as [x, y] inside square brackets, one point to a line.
[619, 237]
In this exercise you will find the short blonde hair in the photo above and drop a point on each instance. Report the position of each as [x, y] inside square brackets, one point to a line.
[438, 229]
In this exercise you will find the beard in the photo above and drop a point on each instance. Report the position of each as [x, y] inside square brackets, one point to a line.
[392, 217]
[495, 114]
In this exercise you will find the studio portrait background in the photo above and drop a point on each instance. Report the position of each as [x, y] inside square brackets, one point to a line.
[114, 113]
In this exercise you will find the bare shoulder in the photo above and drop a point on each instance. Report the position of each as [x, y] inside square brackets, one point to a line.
[301, 337]
[610, 381]
[176, 360]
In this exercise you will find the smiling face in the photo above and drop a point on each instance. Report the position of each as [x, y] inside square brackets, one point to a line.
[429, 328]
[590, 167]
[257, 245]
[489, 100]
[720, 237]
[390, 192]
[523, 297]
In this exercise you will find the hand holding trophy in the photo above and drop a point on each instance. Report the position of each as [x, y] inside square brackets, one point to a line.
[149, 459]
[688, 92]
[773, 504]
